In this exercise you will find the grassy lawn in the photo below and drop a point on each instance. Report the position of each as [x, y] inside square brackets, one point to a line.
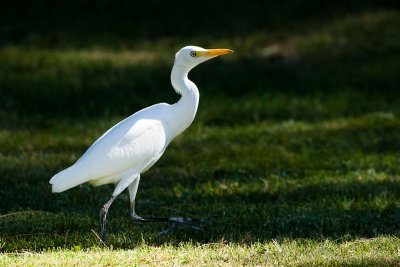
[294, 154]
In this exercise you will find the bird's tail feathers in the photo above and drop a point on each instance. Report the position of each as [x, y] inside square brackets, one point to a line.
[65, 180]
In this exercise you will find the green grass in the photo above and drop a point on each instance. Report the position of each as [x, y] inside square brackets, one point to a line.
[362, 252]
[294, 154]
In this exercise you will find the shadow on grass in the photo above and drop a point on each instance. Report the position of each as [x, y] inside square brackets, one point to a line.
[325, 210]
[242, 207]
[321, 68]
[133, 88]
[79, 23]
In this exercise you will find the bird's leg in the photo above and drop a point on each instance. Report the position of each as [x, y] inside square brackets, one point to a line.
[136, 218]
[132, 188]
[103, 217]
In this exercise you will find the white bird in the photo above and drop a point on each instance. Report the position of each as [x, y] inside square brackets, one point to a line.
[135, 144]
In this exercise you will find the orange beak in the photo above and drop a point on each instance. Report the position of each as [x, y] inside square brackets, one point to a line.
[217, 52]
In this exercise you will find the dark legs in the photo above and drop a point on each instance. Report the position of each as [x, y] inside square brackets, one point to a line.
[127, 179]
[103, 218]
[136, 218]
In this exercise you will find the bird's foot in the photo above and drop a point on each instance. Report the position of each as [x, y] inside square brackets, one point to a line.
[174, 225]
[181, 220]
[174, 220]
[185, 220]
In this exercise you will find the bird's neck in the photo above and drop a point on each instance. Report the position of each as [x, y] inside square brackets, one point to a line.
[186, 107]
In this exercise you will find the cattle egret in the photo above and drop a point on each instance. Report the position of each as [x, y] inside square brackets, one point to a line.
[135, 144]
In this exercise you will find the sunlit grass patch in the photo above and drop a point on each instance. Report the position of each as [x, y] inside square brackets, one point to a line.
[366, 252]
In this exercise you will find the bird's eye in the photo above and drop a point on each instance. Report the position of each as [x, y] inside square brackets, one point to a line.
[193, 54]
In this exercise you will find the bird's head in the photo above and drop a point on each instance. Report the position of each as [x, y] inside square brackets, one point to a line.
[191, 56]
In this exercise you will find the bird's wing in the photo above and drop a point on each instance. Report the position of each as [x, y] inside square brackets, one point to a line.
[132, 143]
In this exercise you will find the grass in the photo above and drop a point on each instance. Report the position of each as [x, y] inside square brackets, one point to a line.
[294, 153]
[363, 252]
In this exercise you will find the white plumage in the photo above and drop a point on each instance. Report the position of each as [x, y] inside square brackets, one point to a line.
[133, 145]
